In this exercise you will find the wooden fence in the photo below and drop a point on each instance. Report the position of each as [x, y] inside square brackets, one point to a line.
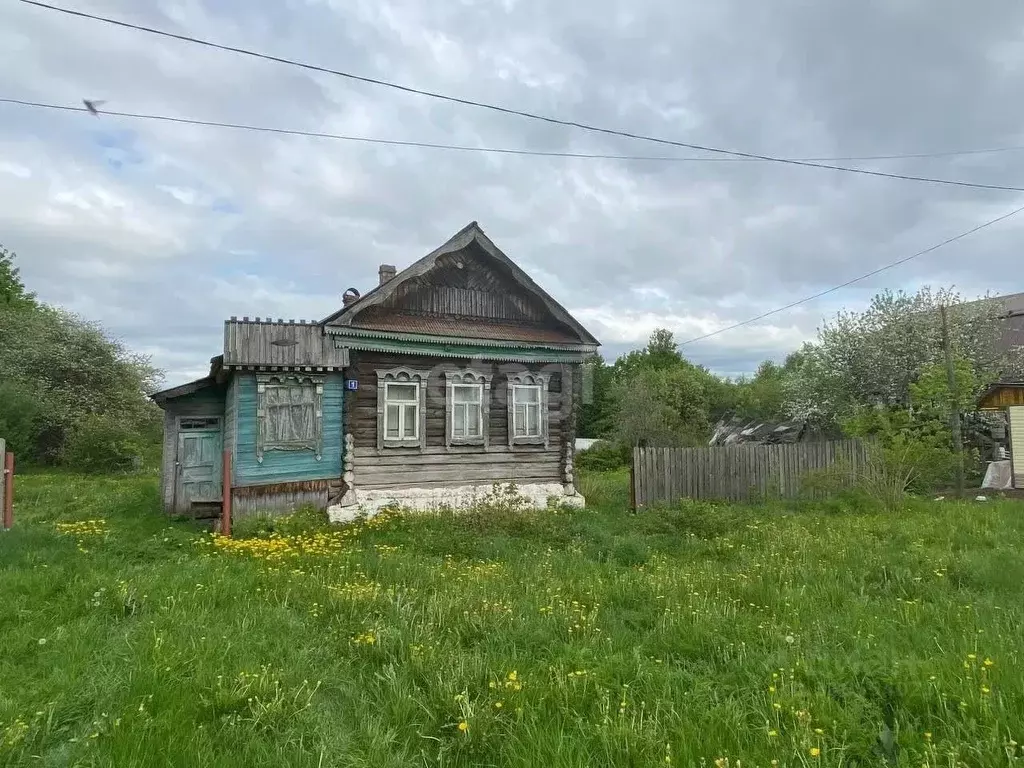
[735, 473]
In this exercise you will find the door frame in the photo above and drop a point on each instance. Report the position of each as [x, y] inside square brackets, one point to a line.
[179, 503]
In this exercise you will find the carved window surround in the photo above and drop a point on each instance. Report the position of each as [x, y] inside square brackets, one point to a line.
[524, 384]
[274, 392]
[402, 376]
[463, 378]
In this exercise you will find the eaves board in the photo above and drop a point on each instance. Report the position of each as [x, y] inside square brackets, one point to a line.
[470, 351]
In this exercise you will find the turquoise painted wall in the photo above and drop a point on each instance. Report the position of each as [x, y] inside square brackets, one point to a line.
[230, 411]
[285, 466]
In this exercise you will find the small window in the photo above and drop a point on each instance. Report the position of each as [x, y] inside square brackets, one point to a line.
[401, 411]
[466, 407]
[466, 421]
[290, 413]
[199, 423]
[401, 408]
[527, 409]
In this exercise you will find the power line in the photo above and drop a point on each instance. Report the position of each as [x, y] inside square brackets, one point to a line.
[455, 147]
[509, 110]
[865, 276]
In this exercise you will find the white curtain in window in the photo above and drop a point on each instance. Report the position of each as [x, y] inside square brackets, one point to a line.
[290, 414]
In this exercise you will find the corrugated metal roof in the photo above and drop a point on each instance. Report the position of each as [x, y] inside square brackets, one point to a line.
[460, 327]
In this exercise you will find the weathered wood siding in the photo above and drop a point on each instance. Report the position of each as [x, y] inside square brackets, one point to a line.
[205, 402]
[279, 498]
[734, 473]
[285, 466]
[1003, 397]
[280, 344]
[1016, 419]
[436, 464]
[464, 285]
[231, 416]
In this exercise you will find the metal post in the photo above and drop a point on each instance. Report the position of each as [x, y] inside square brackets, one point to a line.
[225, 516]
[8, 486]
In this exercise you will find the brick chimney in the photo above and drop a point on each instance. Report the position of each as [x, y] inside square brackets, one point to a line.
[386, 272]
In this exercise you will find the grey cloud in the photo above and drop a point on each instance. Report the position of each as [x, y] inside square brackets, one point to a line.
[719, 241]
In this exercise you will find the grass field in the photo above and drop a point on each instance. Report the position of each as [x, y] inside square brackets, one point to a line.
[697, 636]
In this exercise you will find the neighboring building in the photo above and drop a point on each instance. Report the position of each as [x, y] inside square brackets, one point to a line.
[1012, 337]
[452, 375]
[1008, 396]
[738, 431]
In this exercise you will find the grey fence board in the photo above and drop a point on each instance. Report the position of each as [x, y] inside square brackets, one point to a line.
[736, 472]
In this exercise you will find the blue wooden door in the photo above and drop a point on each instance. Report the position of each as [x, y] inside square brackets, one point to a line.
[199, 467]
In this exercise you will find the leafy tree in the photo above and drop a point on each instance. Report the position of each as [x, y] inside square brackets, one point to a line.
[598, 416]
[762, 396]
[68, 393]
[872, 358]
[12, 290]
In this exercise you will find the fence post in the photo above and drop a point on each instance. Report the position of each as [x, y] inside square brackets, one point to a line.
[225, 515]
[8, 487]
[632, 481]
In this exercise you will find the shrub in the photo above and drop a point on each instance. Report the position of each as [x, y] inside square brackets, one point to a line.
[105, 444]
[602, 456]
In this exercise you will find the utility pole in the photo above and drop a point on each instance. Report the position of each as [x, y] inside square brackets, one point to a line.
[954, 405]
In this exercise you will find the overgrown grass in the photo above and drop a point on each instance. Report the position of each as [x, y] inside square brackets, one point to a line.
[704, 635]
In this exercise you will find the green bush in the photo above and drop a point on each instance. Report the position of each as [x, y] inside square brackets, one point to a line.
[105, 444]
[21, 419]
[602, 456]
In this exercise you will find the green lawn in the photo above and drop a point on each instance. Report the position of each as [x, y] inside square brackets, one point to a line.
[697, 636]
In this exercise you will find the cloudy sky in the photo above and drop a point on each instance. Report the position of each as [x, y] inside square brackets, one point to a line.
[160, 231]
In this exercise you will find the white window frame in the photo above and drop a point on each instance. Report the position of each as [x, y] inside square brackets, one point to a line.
[402, 376]
[467, 378]
[538, 381]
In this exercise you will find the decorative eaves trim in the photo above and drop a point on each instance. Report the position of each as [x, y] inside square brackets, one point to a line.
[480, 353]
[425, 339]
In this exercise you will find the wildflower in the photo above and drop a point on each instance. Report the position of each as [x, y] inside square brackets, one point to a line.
[972, 656]
[790, 639]
[771, 689]
[772, 733]
[42, 641]
[989, 663]
[985, 690]
[815, 751]
[463, 726]
[819, 731]
[498, 704]
[927, 735]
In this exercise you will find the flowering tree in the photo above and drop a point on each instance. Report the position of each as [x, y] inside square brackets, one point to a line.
[872, 358]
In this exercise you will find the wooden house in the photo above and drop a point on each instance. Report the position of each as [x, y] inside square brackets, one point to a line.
[452, 375]
[1008, 396]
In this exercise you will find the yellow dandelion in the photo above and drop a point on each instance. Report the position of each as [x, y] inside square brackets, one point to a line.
[815, 751]
[989, 663]
[772, 733]
[927, 735]
[463, 726]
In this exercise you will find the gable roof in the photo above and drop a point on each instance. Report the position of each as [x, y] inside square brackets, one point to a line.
[470, 234]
